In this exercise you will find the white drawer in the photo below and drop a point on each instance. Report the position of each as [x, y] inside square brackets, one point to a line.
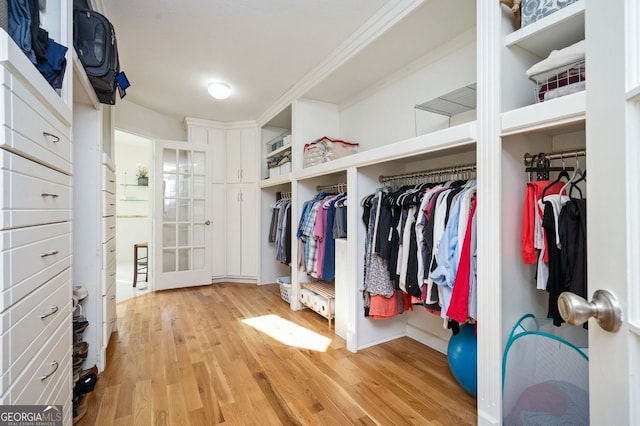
[32, 256]
[108, 204]
[109, 314]
[108, 228]
[32, 194]
[109, 254]
[33, 137]
[28, 329]
[47, 366]
[31, 129]
[108, 180]
[48, 121]
[108, 275]
[59, 392]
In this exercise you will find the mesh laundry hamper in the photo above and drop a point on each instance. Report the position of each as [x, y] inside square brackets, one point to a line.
[545, 377]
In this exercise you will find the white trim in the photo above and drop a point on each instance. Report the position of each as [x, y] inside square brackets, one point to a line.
[489, 211]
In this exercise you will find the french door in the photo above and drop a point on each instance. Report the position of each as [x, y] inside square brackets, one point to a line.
[182, 201]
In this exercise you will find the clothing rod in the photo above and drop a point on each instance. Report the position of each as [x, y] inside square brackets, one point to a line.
[338, 187]
[530, 158]
[284, 195]
[444, 170]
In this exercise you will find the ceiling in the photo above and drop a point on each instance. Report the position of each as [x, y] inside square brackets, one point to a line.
[170, 49]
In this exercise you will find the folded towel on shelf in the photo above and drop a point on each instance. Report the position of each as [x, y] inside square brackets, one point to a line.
[555, 62]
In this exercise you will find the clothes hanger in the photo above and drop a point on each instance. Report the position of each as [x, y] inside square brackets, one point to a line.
[543, 167]
[571, 183]
[563, 174]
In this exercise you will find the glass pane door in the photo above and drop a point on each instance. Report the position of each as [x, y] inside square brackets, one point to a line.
[183, 228]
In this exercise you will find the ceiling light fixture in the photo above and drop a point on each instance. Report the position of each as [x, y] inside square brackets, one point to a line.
[219, 90]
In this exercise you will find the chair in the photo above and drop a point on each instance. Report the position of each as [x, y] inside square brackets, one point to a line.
[140, 264]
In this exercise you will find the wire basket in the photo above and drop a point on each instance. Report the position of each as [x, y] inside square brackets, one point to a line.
[560, 81]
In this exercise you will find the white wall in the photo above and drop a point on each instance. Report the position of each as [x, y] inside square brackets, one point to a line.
[389, 115]
[145, 122]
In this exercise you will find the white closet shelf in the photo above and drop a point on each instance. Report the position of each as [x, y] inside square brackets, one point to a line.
[278, 151]
[275, 181]
[555, 31]
[452, 137]
[557, 112]
[87, 95]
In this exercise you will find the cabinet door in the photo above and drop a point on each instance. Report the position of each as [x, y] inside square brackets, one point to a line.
[215, 138]
[234, 230]
[219, 251]
[249, 238]
[234, 155]
[249, 150]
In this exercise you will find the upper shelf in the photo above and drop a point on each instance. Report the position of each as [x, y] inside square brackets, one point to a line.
[555, 31]
[446, 139]
[562, 111]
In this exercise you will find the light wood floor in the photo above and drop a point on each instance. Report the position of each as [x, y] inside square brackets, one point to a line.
[184, 357]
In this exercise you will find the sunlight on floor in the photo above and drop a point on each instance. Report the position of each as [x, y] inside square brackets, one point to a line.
[289, 333]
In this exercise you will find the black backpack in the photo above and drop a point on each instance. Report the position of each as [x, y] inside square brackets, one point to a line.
[94, 39]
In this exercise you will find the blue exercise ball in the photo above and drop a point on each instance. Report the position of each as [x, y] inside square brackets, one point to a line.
[462, 354]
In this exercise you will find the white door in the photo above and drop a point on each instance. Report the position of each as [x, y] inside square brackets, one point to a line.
[613, 222]
[182, 201]
[234, 230]
[218, 230]
[249, 238]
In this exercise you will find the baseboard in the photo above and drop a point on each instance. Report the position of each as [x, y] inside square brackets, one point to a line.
[427, 339]
[234, 280]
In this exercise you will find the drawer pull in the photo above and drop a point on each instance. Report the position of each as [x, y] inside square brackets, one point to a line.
[45, 194]
[54, 309]
[53, 138]
[50, 253]
[54, 364]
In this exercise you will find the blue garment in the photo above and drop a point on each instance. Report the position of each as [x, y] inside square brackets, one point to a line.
[53, 68]
[20, 26]
[329, 261]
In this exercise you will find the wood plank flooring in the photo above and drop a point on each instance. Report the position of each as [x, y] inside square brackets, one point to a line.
[185, 357]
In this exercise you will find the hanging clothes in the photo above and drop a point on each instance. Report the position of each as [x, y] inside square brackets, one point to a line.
[280, 230]
[316, 237]
[413, 246]
[559, 245]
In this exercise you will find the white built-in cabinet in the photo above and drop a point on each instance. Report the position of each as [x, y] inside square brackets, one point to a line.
[94, 206]
[36, 230]
[199, 131]
[234, 222]
[241, 149]
[241, 230]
